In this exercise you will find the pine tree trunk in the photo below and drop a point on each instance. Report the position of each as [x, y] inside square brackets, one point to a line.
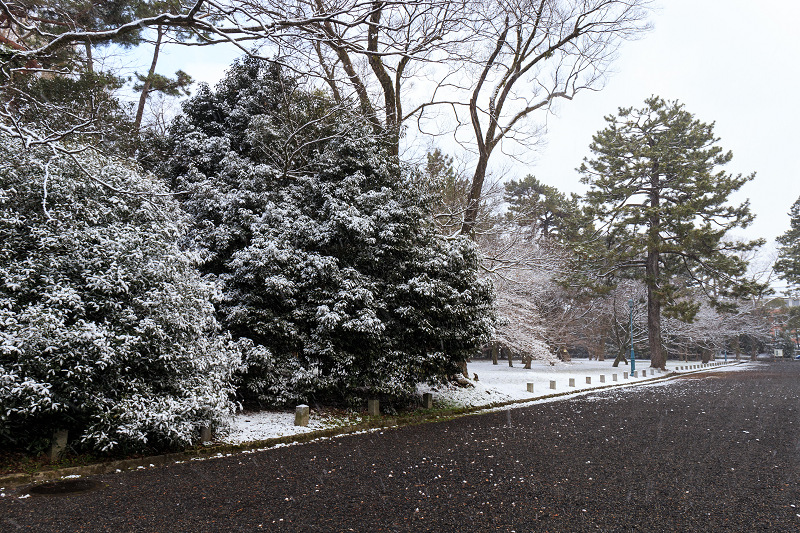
[137, 123]
[657, 359]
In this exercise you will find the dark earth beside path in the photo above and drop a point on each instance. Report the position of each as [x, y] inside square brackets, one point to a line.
[715, 451]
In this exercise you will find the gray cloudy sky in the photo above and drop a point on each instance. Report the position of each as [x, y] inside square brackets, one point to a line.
[733, 62]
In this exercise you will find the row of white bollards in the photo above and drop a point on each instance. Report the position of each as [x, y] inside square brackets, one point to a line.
[625, 375]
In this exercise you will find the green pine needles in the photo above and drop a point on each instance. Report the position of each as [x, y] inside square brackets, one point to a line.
[660, 201]
[788, 263]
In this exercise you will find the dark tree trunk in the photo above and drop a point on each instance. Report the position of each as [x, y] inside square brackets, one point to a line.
[474, 200]
[601, 346]
[494, 353]
[508, 356]
[657, 359]
[653, 275]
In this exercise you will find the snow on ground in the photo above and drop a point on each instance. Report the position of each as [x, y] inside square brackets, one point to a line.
[248, 427]
[496, 384]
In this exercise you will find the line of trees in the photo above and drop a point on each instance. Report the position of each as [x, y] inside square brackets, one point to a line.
[654, 229]
[274, 243]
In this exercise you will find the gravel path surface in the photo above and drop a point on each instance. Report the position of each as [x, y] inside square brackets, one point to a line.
[707, 452]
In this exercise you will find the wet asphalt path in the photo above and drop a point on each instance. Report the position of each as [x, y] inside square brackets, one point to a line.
[717, 451]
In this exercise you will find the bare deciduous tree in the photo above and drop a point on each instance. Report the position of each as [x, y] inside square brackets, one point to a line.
[539, 51]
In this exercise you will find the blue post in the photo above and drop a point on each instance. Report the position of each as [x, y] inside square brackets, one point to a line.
[633, 356]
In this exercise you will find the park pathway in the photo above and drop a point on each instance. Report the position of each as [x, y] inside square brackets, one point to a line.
[714, 451]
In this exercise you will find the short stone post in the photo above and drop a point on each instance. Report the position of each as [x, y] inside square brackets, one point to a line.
[530, 387]
[552, 384]
[58, 445]
[373, 408]
[613, 377]
[571, 382]
[624, 375]
[602, 378]
[301, 415]
[205, 434]
[636, 373]
[588, 380]
[427, 401]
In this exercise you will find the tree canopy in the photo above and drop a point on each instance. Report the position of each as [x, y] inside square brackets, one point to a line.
[325, 249]
[660, 198]
[788, 263]
[106, 328]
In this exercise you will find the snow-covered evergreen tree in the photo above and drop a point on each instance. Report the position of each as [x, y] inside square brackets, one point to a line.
[330, 266]
[106, 327]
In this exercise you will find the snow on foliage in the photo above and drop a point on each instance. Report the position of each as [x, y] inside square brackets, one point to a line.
[334, 280]
[106, 328]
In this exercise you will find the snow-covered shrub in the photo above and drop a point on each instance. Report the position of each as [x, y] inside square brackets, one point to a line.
[106, 327]
[325, 248]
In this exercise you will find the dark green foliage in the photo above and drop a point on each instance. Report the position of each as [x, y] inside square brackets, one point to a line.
[333, 277]
[85, 104]
[449, 189]
[788, 263]
[60, 16]
[106, 328]
[177, 86]
[661, 202]
[547, 212]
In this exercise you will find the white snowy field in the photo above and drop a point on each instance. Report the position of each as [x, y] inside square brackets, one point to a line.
[496, 384]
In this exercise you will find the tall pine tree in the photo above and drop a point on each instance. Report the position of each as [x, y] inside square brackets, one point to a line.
[660, 200]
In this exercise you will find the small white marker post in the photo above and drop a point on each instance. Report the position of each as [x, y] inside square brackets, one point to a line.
[373, 408]
[427, 400]
[301, 415]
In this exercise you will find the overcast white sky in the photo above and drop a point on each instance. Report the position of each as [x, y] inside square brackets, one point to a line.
[733, 62]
